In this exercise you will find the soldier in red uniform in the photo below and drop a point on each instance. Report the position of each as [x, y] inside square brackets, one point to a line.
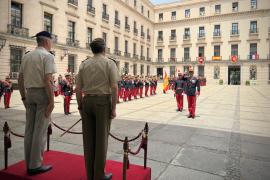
[67, 88]
[7, 92]
[146, 85]
[178, 88]
[141, 86]
[1, 89]
[155, 85]
[192, 91]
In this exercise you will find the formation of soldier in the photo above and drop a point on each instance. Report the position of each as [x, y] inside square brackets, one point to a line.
[6, 90]
[134, 87]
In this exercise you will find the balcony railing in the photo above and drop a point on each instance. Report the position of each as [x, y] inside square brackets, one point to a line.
[135, 56]
[73, 42]
[160, 19]
[142, 35]
[148, 37]
[234, 32]
[117, 52]
[160, 39]
[160, 60]
[186, 37]
[254, 31]
[142, 58]
[105, 16]
[127, 27]
[253, 56]
[117, 22]
[173, 18]
[148, 59]
[127, 55]
[186, 59]
[201, 35]
[172, 59]
[135, 32]
[217, 34]
[91, 9]
[73, 2]
[173, 38]
[17, 31]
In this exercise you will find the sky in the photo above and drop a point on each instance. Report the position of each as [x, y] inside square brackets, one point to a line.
[162, 1]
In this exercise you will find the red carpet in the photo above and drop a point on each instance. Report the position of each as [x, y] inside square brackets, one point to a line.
[71, 167]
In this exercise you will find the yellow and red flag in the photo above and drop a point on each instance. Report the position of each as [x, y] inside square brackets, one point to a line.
[165, 82]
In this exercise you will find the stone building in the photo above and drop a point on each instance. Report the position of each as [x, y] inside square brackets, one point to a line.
[220, 39]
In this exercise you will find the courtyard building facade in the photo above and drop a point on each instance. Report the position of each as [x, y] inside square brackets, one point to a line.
[222, 40]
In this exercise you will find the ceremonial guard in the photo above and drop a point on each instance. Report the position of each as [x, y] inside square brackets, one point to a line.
[152, 86]
[35, 85]
[126, 85]
[140, 83]
[179, 86]
[7, 92]
[131, 88]
[136, 87]
[60, 84]
[119, 83]
[146, 85]
[155, 85]
[122, 86]
[97, 78]
[192, 90]
[67, 88]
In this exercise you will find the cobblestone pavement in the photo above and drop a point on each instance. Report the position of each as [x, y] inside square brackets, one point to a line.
[229, 138]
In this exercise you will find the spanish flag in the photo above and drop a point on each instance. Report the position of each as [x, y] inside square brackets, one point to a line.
[165, 83]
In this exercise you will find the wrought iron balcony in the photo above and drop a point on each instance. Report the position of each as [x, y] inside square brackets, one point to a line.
[254, 31]
[135, 31]
[73, 2]
[172, 59]
[173, 18]
[143, 58]
[91, 9]
[135, 56]
[216, 34]
[105, 16]
[73, 42]
[117, 52]
[235, 32]
[186, 37]
[17, 31]
[160, 60]
[117, 22]
[254, 56]
[127, 55]
[201, 35]
[127, 27]
[160, 39]
[186, 59]
[173, 38]
[148, 59]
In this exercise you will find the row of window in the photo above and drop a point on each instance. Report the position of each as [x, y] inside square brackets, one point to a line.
[235, 7]
[217, 31]
[233, 76]
[216, 56]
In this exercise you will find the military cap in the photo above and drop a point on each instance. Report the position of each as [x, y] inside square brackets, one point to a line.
[44, 34]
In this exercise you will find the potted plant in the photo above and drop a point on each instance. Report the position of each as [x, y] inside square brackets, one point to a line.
[221, 82]
[247, 83]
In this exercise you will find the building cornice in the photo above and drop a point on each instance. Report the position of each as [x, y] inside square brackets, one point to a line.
[48, 5]
[261, 12]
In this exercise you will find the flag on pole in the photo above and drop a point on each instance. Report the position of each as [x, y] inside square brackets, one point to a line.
[165, 83]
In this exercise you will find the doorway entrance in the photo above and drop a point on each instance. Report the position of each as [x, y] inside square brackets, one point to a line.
[234, 75]
[160, 72]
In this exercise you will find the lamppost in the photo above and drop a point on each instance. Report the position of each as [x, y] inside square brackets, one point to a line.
[2, 43]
